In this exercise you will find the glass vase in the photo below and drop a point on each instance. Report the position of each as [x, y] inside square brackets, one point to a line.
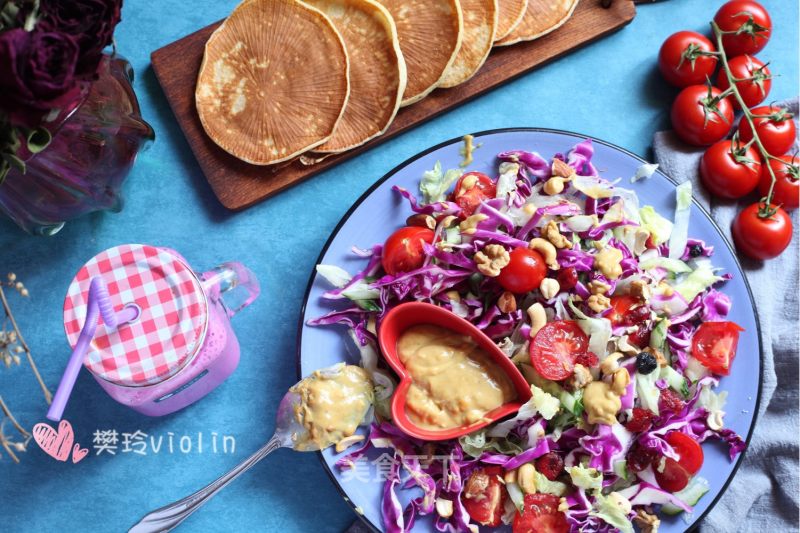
[94, 145]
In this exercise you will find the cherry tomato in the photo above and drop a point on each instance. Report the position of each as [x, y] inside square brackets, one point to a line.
[681, 62]
[689, 118]
[472, 188]
[751, 20]
[753, 91]
[540, 514]
[403, 249]
[620, 311]
[567, 278]
[688, 449]
[762, 238]
[524, 272]
[555, 347]
[730, 171]
[714, 345]
[787, 181]
[673, 477]
[484, 496]
[777, 133]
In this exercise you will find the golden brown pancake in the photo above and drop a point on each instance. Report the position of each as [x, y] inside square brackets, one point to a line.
[509, 15]
[541, 17]
[480, 22]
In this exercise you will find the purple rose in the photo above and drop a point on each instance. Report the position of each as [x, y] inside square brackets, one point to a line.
[37, 71]
[90, 22]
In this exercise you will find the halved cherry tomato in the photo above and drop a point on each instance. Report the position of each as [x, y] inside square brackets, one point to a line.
[787, 181]
[775, 128]
[484, 496]
[762, 237]
[471, 189]
[620, 310]
[540, 514]
[673, 477]
[730, 171]
[524, 272]
[749, 39]
[688, 449]
[555, 347]
[701, 119]
[755, 75]
[681, 61]
[714, 345]
[403, 249]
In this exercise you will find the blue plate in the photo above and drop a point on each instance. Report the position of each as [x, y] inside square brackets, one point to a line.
[379, 211]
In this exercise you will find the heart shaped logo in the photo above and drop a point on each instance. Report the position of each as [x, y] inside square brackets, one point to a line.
[57, 445]
[409, 314]
[78, 453]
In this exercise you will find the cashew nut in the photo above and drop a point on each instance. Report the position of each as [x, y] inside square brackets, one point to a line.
[581, 376]
[526, 478]
[538, 318]
[549, 288]
[714, 420]
[553, 186]
[610, 364]
[547, 250]
[510, 476]
[444, 507]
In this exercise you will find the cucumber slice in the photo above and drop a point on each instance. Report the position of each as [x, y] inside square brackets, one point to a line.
[695, 490]
[572, 402]
[676, 382]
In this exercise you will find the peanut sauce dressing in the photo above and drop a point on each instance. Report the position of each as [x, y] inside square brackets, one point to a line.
[454, 381]
[331, 406]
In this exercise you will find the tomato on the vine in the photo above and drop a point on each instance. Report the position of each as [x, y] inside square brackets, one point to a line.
[730, 171]
[540, 514]
[756, 79]
[524, 272]
[472, 188]
[682, 61]
[484, 496]
[774, 126]
[555, 347]
[714, 345]
[786, 192]
[403, 249]
[700, 117]
[762, 237]
[750, 22]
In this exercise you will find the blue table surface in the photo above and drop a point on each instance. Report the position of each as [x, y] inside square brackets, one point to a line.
[610, 89]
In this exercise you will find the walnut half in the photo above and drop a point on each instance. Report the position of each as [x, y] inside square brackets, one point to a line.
[491, 260]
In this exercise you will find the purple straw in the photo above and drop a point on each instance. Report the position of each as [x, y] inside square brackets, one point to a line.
[99, 304]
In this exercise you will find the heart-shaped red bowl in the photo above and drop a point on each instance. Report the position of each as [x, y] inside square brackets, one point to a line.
[410, 314]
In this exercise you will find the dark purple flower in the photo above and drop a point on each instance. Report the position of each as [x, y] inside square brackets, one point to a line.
[90, 22]
[37, 71]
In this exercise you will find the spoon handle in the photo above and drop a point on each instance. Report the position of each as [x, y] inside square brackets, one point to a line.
[168, 517]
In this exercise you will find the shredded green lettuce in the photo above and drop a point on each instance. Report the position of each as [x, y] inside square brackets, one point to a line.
[680, 230]
[647, 391]
[435, 184]
[336, 276]
[659, 227]
[546, 486]
[697, 281]
[608, 510]
[478, 442]
[586, 478]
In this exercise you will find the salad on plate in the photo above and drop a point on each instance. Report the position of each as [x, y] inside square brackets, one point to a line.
[612, 313]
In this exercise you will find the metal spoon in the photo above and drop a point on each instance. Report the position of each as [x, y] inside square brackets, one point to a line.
[288, 431]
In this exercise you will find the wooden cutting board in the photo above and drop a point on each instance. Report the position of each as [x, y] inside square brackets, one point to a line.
[239, 185]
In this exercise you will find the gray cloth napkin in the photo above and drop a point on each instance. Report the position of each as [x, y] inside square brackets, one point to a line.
[764, 494]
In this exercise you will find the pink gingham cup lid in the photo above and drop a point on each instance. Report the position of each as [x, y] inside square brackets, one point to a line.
[170, 327]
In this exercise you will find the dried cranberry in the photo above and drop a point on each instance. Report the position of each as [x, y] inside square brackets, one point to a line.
[567, 278]
[641, 337]
[550, 465]
[587, 359]
[638, 315]
[670, 401]
[639, 458]
[642, 420]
